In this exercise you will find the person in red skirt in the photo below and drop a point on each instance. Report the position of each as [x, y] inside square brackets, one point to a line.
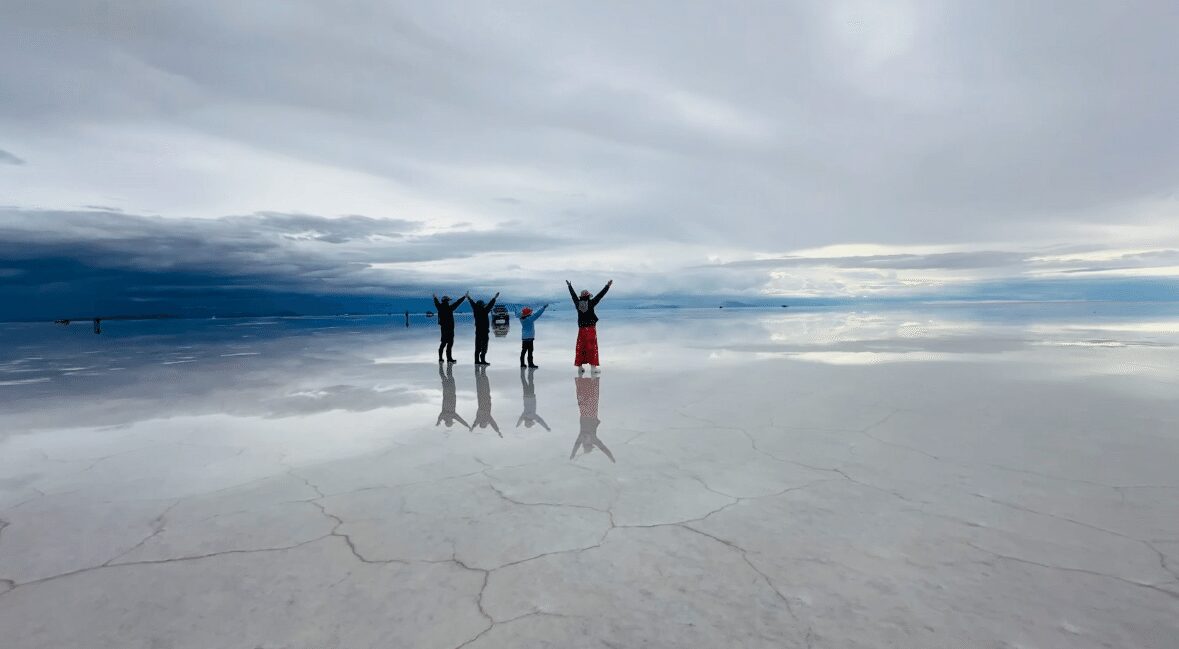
[587, 320]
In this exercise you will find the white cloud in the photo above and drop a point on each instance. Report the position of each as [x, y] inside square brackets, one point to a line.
[866, 139]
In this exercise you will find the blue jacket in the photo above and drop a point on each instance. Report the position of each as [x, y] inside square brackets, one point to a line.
[528, 324]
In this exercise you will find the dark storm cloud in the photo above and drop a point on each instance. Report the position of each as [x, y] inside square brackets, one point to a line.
[288, 250]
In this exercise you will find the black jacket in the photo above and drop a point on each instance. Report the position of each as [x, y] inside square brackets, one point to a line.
[482, 315]
[585, 308]
[446, 312]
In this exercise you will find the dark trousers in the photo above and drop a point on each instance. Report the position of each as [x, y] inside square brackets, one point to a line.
[481, 338]
[447, 344]
[526, 348]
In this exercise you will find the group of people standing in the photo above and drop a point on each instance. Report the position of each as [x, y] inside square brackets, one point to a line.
[586, 350]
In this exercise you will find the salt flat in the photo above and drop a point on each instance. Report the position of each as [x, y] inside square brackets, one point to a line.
[997, 476]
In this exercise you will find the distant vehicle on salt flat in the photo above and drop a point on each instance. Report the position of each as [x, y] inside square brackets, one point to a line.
[500, 316]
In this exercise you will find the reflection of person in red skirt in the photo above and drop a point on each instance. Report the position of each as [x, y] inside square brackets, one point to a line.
[587, 320]
[587, 403]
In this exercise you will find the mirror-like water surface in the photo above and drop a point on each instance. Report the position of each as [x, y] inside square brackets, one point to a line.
[973, 476]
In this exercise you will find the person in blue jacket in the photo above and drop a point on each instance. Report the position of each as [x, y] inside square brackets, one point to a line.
[528, 319]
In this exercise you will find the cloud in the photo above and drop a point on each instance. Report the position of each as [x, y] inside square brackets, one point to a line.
[8, 158]
[947, 273]
[91, 262]
[945, 260]
[265, 244]
[78, 261]
[674, 148]
[807, 123]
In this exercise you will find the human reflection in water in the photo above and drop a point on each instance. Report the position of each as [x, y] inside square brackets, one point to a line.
[587, 404]
[483, 417]
[529, 416]
[449, 399]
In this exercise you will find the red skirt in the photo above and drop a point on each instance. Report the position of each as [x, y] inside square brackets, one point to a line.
[587, 346]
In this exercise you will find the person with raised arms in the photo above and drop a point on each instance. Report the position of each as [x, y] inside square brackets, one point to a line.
[528, 319]
[446, 323]
[482, 314]
[586, 351]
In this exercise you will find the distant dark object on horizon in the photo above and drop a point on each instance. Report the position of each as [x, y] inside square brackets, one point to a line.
[429, 314]
[145, 316]
[785, 305]
[98, 325]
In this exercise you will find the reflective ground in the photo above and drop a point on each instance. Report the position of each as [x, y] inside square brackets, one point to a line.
[996, 476]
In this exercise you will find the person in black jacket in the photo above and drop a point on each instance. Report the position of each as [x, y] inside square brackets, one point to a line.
[482, 328]
[446, 322]
[587, 320]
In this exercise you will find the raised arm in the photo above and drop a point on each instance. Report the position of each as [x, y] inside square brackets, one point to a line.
[492, 302]
[572, 293]
[437, 304]
[546, 426]
[459, 301]
[539, 312]
[602, 294]
[599, 444]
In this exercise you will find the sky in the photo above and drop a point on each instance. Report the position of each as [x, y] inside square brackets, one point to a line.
[756, 151]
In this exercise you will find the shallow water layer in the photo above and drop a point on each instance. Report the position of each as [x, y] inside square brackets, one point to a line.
[982, 476]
